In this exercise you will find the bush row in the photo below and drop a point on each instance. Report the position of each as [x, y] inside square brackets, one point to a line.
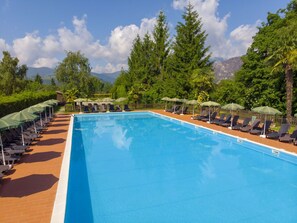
[17, 102]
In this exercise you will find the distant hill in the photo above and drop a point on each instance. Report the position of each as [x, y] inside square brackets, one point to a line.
[47, 73]
[226, 69]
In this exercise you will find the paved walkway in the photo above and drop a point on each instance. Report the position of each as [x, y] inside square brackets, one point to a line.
[27, 194]
[255, 138]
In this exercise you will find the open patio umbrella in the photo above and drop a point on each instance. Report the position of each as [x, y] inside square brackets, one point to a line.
[266, 110]
[210, 104]
[175, 100]
[22, 117]
[41, 106]
[6, 124]
[80, 101]
[166, 99]
[232, 107]
[192, 102]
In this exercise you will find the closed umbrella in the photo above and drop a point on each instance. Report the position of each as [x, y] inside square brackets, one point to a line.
[266, 110]
[210, 104]
[192, 102]
[232, 107]
[6, 124]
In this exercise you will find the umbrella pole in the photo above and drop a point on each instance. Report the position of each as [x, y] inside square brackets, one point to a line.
[23, 140]
[208, 114]
[40, 119]
[34, 126]
[193, 110]
[2, 149]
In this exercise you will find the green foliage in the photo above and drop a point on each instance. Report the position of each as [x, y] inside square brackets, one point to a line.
[12, 76]
[17, 102]
[38, 79]
[74, 72]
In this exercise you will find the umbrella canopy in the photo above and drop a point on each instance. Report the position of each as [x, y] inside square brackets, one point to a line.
[21, 116]
[8, 124]
[121, 99]
[33, 110]
[192, 102]
[166, 99]
[175, 99]
[80, 100]
[210, 104]
[107, 100]
[266, 110]
[232, 107]
[295, 115]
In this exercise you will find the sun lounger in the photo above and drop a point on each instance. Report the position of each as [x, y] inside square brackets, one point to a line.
[211, 118]
[232, 123]
[226, 121]
[248, 128]
[289, 137]
[245, 123]
[282, 131]
[203, 114]
[126, 108]
[182, 111]
[4, 168]
[259, 131]
[220, 119]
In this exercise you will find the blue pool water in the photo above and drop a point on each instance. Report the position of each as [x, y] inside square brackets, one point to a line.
[141, 167]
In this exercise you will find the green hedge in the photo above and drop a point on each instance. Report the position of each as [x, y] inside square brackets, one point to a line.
[17, 102]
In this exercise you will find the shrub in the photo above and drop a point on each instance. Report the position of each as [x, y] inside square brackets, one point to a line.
[17, 102]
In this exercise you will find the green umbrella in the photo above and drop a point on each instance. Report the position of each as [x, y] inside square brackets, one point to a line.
[295, 115]
[107, 100]
[210, 104]
[192, 102]
[232, 107]
[121, 99]
[33, 110]
[21, 117]
[43, 106]
[6, 124]
[266, 110]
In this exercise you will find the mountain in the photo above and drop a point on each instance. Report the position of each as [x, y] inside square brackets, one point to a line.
[48, 73]
[226, 69]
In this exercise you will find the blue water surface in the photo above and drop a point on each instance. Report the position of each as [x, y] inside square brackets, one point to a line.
[141, 167]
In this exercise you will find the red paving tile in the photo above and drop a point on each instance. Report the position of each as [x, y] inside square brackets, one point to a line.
[27, 195]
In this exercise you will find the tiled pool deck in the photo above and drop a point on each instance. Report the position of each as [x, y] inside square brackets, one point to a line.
[28, 193]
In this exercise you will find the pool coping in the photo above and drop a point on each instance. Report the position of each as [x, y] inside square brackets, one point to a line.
[233, 136]
[59, 209]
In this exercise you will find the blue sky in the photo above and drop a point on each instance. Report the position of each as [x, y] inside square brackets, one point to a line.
[39, 32]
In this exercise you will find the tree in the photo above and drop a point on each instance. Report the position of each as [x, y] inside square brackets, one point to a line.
[284, 57]
[189, 49]
[74, 72]
[53, 83]
[12, 76]
[38, 79]
[161, 45]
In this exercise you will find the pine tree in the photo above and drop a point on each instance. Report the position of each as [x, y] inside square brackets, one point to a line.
[189, 49]
[161, 45]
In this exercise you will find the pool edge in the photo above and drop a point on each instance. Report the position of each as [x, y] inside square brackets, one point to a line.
[59, 209]
[236, 137]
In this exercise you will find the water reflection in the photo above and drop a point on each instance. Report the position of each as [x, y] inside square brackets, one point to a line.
[118, 134]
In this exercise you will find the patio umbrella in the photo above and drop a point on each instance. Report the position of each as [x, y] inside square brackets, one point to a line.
[121, 99]
[80, 101]
[175, 100]
[6, 124]
[22, 117]
[210, 104]
[41, 106]
[183, 101]
[232, 107]
[192, 102]
[166, 99]
[266, 110]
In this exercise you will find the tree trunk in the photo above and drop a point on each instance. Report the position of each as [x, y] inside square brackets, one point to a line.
[289, 90]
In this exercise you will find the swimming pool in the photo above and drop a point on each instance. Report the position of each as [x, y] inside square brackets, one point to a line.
[143, 167]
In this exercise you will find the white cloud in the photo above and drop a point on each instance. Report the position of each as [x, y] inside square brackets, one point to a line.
[3, 46]
[222, 44]
[45, 62]
[34, 50]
